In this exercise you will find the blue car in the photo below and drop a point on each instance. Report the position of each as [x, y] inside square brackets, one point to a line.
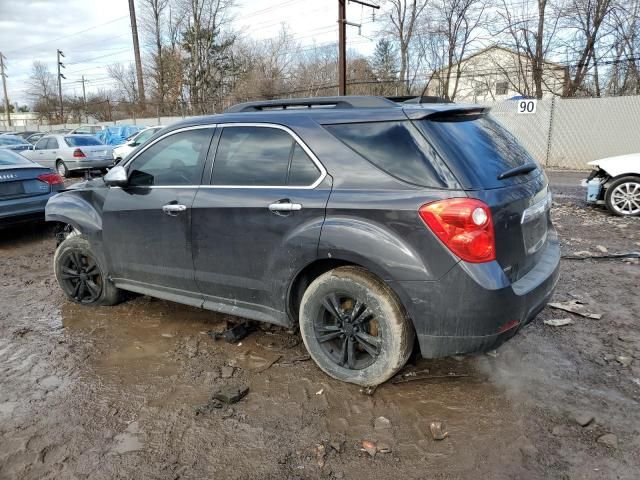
[25, 188]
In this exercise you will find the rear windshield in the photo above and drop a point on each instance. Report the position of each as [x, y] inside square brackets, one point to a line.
[84, 141]
[477, 149]
[7, 157]
[397, 148]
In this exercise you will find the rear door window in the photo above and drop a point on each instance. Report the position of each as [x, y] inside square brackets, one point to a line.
[397, 148]
[261, 157]
[477, 149]
[52, 144]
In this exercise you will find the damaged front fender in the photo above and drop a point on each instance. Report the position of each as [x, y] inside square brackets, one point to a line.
[73, 209]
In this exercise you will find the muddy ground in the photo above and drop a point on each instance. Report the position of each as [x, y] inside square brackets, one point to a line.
[122, 392]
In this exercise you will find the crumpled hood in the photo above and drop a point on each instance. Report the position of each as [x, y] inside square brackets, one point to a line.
[620, 165]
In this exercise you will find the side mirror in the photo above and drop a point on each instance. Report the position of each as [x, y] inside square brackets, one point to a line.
[116, 177]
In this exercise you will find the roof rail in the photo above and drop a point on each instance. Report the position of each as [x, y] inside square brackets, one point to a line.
[313, 102]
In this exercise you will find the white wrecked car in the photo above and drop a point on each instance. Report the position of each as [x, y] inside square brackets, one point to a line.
[615, 182]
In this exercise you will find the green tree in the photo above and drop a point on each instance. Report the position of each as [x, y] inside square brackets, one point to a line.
[385, 66]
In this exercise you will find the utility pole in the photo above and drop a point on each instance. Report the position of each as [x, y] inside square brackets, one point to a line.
[342, 42]
[4, 87]
[136, 50]
[60, 77]
[84, 102]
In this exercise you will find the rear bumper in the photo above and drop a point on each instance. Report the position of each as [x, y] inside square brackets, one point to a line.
[474, 307]
[89, 164]
[24, 209]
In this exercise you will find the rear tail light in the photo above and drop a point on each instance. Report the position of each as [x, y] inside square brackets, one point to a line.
[464, 225]
[77, 153]
[51, 178]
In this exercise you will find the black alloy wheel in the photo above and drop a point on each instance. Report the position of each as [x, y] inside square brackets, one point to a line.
[347, 331]
[80, 277]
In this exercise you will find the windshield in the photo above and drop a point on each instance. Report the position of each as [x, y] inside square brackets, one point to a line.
[84, 141]
[7, 157]
[10, 140]
[477, 149]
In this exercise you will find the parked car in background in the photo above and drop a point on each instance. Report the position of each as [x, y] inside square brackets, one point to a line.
[25, 188]
[87, 130]
[135, 140]
[33, 138]
[67, 153]
[615, 183]
[363, 221]
[24, 135]
[13, 142]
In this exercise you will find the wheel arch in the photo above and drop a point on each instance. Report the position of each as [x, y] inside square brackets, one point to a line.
[75, 211]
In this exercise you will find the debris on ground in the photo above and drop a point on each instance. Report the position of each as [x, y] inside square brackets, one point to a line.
[583, 419]
[492, 353]
[577, 307]
[226, 371]
[584, 255]
[230, 393]
[368, 390]
[235, 333]
[624, 360]
[255, 361]
[382, 423]
[337, 446]
[601, 248]
[437, 431]
[320, 392]
[558, 322]
[609, 439]
[424, 375]
[321, 454]
[372, 448]
[208, 407]
[293, 360]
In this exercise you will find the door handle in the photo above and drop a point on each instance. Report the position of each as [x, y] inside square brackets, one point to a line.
[285, 207]
[173, 209]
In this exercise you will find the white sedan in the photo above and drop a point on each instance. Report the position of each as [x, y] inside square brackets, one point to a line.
[131, 143]
[615, 182]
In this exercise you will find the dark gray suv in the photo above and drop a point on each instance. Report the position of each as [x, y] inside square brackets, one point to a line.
[366, 222]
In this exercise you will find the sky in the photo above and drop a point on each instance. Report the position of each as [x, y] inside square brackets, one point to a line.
[93, 34]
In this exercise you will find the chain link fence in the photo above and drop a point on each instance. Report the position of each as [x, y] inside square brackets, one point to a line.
[569, 132]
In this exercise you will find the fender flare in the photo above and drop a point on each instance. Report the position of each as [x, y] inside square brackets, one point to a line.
[70, 208]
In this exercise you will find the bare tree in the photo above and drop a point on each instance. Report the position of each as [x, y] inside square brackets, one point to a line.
[532, 36]
[583, 22]
[154, 24]
[450, 32]
[41, 91]
[403, 20]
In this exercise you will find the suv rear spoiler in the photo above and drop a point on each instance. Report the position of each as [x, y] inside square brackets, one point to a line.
[443, 112]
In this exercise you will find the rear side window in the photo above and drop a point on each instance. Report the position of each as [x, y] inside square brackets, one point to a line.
[398, 148]
[261, 156]
[52, 143]
[81, 141]
[477, 149]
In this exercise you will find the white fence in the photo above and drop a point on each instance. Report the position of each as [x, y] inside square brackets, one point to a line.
[563, 133]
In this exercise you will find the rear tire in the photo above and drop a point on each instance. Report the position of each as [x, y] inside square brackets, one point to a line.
[623, 197]
[62, 169]
[354, 327]
[81, 276]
